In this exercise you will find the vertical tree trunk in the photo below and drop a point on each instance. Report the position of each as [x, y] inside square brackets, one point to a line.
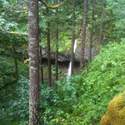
[33, 36]
[49, 51]
[72, 52]
[93, 28]
[73, 39]
[101, 28]
[101, 32]
[84, 28]
[57, 46]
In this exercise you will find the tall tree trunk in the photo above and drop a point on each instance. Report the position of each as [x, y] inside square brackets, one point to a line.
[49, 52]
[93, 28]
[101, 29]
[72, 52]
[101, 32]
[84, 28]
[33, 36]
[73, 39]
[57, 47]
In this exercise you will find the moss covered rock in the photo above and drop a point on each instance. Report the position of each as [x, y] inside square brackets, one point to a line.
[116, 111]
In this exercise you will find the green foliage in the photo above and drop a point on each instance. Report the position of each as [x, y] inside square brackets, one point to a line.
[11, 92]
[81, 100]
[6, 70]
[84, 98]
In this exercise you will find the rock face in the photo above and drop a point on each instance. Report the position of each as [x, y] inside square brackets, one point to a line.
[116, 111]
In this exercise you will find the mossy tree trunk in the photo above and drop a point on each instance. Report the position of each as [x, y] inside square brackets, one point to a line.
[33, 36]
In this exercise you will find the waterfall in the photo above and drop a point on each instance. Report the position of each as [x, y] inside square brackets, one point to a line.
[69, 69]
[75, 46]
[70, 64]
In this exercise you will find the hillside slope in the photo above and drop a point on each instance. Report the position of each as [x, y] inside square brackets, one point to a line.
[88, 94]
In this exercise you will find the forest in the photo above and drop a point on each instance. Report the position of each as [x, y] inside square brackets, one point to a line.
[62, 62]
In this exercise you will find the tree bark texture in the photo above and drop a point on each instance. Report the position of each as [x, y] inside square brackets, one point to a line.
[84, 28]
[93, 28]
[33, 36]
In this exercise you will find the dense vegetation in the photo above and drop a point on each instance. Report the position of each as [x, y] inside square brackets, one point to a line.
[81, 100]
[96, 77]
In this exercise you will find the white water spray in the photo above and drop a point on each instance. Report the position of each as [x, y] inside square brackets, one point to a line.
[70, 64]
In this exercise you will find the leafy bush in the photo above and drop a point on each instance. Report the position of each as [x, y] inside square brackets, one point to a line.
[12, 100]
